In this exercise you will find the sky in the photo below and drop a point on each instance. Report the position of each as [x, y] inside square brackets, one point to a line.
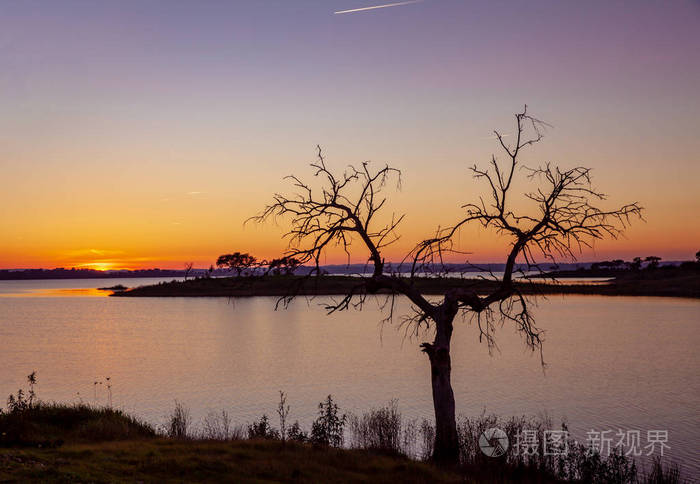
[143, 134]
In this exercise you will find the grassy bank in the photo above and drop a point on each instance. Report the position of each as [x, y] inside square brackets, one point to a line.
[671, 283]
[78, 443]
[167, 460]
[51, 425]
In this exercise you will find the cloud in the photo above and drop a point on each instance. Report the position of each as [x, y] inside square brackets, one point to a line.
[364, 9]
[89, 253]
[195, 193]
[493, 136]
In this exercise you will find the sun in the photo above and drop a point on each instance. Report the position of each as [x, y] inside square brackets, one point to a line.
[99, 266]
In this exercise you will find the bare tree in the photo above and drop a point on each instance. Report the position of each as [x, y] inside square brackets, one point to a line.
[564, 218]
[188, 269]
[283, 412]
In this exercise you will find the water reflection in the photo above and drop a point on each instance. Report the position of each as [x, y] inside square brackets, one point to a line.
[614, 362]
[72, 287]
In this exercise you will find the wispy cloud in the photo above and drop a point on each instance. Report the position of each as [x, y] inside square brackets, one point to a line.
[89, 253]
[374, 7]
[493, 136]
[195, 193]
[112, 263]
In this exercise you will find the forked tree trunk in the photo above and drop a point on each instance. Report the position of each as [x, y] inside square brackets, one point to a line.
[446, 450]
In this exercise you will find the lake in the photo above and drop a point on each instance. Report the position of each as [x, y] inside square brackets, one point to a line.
[627, 363]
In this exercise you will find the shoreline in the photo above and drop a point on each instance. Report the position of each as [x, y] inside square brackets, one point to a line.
[685, 284]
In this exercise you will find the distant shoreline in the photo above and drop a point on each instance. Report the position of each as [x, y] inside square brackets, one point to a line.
[663, 282]
[67, 274]
[578, 269]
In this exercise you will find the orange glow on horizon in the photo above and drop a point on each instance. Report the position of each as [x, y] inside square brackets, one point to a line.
[138, 226]
[98, 266]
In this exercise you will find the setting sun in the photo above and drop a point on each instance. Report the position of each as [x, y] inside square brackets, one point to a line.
[99, 266]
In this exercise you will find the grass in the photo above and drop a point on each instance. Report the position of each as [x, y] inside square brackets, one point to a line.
[166, 460]
[79, 443]
[51, 424]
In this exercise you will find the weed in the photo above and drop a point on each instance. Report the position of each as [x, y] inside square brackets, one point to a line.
[179, 422]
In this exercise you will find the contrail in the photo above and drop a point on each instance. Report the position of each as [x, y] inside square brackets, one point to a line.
[396, 4]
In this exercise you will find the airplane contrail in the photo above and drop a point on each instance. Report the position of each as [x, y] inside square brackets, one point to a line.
[363, 9]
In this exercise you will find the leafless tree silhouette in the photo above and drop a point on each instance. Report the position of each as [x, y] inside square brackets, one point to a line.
[188, 268]
[344, 207]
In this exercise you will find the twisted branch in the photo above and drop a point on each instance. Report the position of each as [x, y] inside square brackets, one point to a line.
[345, 207]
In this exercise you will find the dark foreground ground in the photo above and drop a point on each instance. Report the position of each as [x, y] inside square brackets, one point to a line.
[167, 460]
[49, 442]
[670, 282]
[79, 443]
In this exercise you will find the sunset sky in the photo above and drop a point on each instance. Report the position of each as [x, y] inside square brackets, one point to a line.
[143, 134]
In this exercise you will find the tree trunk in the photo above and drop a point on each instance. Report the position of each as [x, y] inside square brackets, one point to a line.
[446, 450]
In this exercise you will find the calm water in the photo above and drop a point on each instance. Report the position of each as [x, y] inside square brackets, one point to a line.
[614, 362]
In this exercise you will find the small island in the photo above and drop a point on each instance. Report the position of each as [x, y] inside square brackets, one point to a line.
[118, 287]
[668, 281]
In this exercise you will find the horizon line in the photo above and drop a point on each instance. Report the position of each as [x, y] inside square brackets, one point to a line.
[472, 264]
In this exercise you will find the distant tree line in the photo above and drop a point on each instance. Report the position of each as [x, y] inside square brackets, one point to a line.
[245, 264]
[650, 262]
[83, 273]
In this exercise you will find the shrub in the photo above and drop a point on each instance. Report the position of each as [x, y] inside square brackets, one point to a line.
[217, 426]
[21, 402]
[54, 423]
[327, 429]
[262, 430]
[663, 475]
[427, 432]
[297, 434]
[577, 464]
[379, 429]
[409, 445]
[179, 423]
